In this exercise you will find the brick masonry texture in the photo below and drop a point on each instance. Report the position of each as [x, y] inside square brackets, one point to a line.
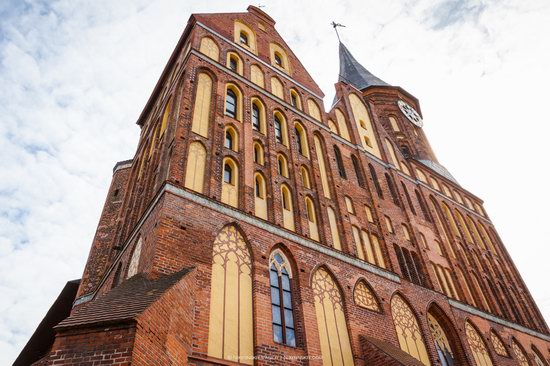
[147, 201]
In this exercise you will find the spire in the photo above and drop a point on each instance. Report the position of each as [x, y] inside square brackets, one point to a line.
[352, 72]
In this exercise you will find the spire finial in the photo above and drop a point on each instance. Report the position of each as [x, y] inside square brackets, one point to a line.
[335, 26]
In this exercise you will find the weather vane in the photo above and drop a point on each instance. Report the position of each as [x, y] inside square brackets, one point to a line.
[335, 26]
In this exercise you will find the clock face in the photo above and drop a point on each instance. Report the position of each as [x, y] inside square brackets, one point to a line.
[410, 113]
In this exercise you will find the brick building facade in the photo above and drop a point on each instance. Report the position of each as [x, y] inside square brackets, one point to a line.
[252, 226]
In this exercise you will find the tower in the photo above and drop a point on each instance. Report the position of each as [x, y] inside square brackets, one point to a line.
[253, 227]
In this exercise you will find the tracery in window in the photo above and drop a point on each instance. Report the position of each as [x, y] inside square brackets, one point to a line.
[408, 331]
[442, 345]
[364, 297]
[519, 354]
[477, 346]
[498, 345]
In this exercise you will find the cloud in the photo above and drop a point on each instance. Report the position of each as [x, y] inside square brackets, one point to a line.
[76, 74]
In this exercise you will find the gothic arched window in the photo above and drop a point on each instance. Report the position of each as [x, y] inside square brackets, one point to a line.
[331, 320]
[521, 357]
[442, 344]
[358, 171]
[375, 181]
[408, 330]
[364, 297]
[231, 104]
[280, 276]
[230, 330]
[477, 346]
[196, 163]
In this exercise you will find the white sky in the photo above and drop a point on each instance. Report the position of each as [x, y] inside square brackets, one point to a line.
[75, 75]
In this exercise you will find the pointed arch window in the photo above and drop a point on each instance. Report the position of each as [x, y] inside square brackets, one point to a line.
[408, 198]
[422, 205]
[358, 171]
[408, 330]
[301, 139]
[363, 296]
[393, 191]
[375, 181]
[280, 279]
[209, 48]
[331, 320]
[278, 60]
[255, 117]
[260, 200]
[230, 324]
[279, 125]
[498, 345]
[519, 353]
[442, 344]
[233, 63]
[201, 109]
[339, 162]
[295, 99]
[477, 346]
[196, 163]
[539, 359]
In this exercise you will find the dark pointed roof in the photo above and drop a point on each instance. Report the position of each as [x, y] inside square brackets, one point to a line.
[352, 72]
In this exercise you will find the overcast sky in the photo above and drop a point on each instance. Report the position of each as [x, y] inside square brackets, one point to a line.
[75, 74]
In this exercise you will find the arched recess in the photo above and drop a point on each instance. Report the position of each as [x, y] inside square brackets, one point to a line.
[304, 173]
[313, 109]
[165, 115]
[282, 165]
[332, 126]
[134, 260]
[445, 338]
[498, 344]
[277, 88]
[287, 207]
[334, 232]
[320, 152]
[279, 58]
[230, 182]
[364, 125]
[196, 163]
[260, 196]
[519, 353]
[408, 330]
[312, 219]
[295, 100]
[538, 357]
[331, 320]
[478, 348]
[209, 48]
[231, 138]
[342, 124]
[201, 111]
[244, 36]
[235, 63]
[230, 331]
[364, 296]
[257, 76]
[258, 153]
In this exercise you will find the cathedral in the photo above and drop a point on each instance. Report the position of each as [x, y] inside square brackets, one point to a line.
[252, 227]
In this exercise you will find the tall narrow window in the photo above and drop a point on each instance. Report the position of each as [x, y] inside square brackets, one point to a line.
[375, 181]
[230, 139]
[301, 139]
[278, 60]
[422, 205]
[278, 130]
[408, 198]
[258, 153]
[306, 182]
[230, 186]
[209, 48]
[280, 276]
[295, 99]
[260, 202]
[477, 346]
[322, 170]
[393, 191]
[196, 163]
[288, 212]
[312, 219]
[255, 117]
[331, 320]
[233, 64]
[165, 116]
[408, 331]
[358, 171]
[257, 76]
[339, 162]
[282, 166]
[334, 233]
[230, 330]
[231, 104]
